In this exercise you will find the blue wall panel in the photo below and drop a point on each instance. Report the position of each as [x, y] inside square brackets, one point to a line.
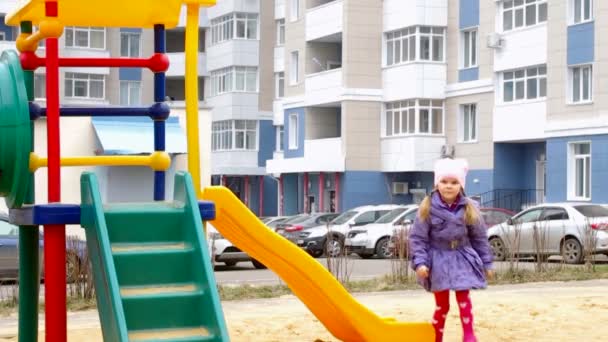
[581, 43]
[254, 195]
[290, 194]
[299, 152]
[485, 182]
[267, 142]
[515, 165]
[270, 196]
[8, 30]
[363, 188]
[557, 167]
[469, 13]
[470, 74]
[129, 74]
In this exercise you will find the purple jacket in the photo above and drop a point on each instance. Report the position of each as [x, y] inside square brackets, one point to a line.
[456, 254]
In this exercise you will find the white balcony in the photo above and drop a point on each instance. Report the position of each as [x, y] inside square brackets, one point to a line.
[236, 163]
[177, 64]
[239, 52]
[532, 40]
[86, 53]
[279, 59]
[278, 113]
[424, 80]
[520, 121]
[320, 155]
[279, 9]
[398, 14]
[203, 19]
[410, 153]
[324, 87]
[229, 6]
[325, 23]
[235, 105]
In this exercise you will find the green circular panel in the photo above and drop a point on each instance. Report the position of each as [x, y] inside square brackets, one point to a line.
[15, 131]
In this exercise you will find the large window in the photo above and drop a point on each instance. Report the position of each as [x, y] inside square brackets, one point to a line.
[581, 84]
[468, 123]
[234, 26]
[280, 32]
[279, 85]
[85, 37]
[469, 48]
[229, 135]
[522, 84]
[521, 13]
[420, 116]
[580, 11]
[294, 68]
[580, 170]
[130, 93]
[293, 131]
[401, 45]
[40, 86]
[294, 12]
[130, 44]
[234, 79]
[84, 86]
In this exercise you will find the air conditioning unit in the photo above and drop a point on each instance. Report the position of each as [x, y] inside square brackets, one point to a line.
[447, 151]
[400, 188]
[495, 41]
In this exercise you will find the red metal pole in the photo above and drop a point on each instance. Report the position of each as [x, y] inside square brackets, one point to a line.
[54, 235]
[157, 63]
[306, 204]
[261, 201]
[281, 195]
[337, 190]
[321, 184]
[246, 191]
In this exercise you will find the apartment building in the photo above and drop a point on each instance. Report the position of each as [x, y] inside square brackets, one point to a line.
[368, 94]
[243, 135]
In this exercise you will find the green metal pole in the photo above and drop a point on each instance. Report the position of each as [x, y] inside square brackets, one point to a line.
[29, 261]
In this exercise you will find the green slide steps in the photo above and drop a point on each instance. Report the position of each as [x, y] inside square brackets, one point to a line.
[152, 270]
[15, 132]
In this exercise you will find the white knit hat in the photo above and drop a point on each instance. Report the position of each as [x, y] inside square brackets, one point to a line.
[452, 168]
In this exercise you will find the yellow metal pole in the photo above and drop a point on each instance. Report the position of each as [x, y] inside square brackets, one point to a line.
[194, 166]
[158, 161]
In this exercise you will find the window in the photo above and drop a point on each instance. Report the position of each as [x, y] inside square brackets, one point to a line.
[294, 13]
[468, 123]
[85, 37]
[130, 44]
[2, 36]
[580, 170]
[294, 68]
[280, 138]
[279, 85]
[84, 86]
[401, 117]
[130, 93]
[554, 214]
[230, 135]
[521, 84]
[469, 48]
[234, 26]
[280, 32]
[234, 79]
[529, 216]
[520, 13]
[581, 84]
[293, 131]
[431, 43]
[39, 86]
[401, 44]
[581, 11]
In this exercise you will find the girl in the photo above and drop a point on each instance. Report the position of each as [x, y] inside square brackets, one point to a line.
[449, 246]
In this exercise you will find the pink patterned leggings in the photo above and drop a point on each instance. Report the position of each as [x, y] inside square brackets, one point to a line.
[442, 300]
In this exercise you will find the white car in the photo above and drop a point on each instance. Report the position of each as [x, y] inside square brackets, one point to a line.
[222, 250]
[373, 239]
[571, 230]
[330, 237]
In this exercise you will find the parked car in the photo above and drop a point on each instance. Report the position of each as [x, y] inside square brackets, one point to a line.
[373, 239]
[280, 227]
[566, 229]
[273, 221]
[330, 237]
[494, 216]
[222, 250]
[313, 220]
[9, 253]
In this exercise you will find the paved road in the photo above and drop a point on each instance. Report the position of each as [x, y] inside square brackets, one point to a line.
[245, 273]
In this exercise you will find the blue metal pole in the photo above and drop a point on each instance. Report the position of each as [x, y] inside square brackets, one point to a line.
[159, 124]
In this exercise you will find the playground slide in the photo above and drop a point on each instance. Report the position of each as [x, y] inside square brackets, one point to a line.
[153, 275]
[324, 296]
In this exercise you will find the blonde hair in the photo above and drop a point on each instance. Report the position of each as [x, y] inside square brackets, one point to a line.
[471, 215]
